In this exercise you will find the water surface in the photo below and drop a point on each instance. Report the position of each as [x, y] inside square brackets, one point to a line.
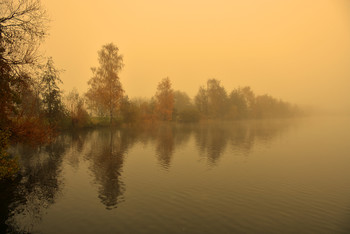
[277, 176]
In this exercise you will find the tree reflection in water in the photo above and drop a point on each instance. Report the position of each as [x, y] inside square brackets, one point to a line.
[105, 151]
[213, 139]
[108, 150]
[37, 189]
[167, 138]
[165, 145]
[76, 145]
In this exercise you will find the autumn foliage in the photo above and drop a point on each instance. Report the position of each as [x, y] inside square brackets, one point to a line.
[105, 92]
[165, 100]
[31, 101]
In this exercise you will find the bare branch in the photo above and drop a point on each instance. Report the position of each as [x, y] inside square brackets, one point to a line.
[22, 28]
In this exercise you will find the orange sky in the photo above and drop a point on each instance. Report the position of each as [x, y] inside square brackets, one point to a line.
[297, 50]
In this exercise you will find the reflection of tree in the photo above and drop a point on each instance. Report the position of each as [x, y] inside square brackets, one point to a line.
[212, 139]
[266, 130]
[182, 134]
[107, 156]
[7, 196]
[78, 140]
[76, 146]
[168, 137]
[165, 145]
[23, 205]
[244, 135]
[38, 187]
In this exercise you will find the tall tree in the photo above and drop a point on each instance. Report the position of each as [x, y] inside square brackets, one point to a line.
[105, 88]
[51, 92]
[165, 99]
[22, 28]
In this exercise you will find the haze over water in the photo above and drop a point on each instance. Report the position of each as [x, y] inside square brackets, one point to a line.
[275, 176]
[294, 50]
[174, 116]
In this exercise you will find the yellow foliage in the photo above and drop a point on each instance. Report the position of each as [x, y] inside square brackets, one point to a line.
[165, 100]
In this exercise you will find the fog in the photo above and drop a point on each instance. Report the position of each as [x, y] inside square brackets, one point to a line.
[189, 116]
[297, 50]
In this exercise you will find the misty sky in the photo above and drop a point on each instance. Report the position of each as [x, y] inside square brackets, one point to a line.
[297, 50]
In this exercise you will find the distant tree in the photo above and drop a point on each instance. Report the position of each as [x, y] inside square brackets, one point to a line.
[265, 106]
[105, 90]
[72, 99]
[269, 107]
[217, 99]
[188, 115]
[181, 101]
[146, 109]
[165, 99]
[237, 105]
[249, 98]
[201, 101]
[76, 109]
[51, 92]
[184, 110]
[129, 111]
[212, 101]
[242, 103]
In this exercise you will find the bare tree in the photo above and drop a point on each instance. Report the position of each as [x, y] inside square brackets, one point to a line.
[22, 28]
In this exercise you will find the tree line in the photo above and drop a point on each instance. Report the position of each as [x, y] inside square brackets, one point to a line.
[33, 107]
[106, 98]
[31, 98]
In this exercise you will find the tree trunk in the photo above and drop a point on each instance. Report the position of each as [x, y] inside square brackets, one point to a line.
[110, 117]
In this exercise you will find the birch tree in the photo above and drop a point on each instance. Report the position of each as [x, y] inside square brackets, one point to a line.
[105, 88]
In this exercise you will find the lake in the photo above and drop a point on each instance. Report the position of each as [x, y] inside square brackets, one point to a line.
[268, 176]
